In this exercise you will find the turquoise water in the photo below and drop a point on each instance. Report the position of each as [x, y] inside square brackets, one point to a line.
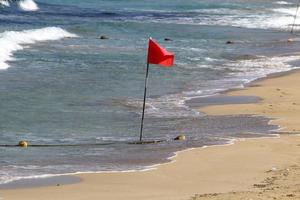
[61, 84]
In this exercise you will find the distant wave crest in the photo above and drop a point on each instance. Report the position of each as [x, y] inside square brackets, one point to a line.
[282, 3]
[4, 3]
[28, 5]
[11, 41]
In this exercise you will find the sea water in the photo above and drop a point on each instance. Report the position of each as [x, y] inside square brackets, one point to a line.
[61, 85]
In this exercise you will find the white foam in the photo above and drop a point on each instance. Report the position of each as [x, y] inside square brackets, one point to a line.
[11, 41]
[263, 66]
[28, 5]
[289, 11]
[244, 71]
[282, 3]
[276, 18]
[4, 3]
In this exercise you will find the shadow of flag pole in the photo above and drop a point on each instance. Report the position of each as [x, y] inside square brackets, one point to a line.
[159, 56]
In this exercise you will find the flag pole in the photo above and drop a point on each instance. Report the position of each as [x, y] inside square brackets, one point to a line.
[144, 104]
[292, 29]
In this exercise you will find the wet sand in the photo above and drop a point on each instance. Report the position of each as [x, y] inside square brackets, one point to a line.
[253, 168]
[40, 182]
[221, 99]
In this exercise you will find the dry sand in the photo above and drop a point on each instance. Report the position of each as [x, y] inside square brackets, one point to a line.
[251, 169]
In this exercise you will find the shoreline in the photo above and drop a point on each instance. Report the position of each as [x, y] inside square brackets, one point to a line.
[66, 178]
[85, 178]
[219, 165]
[240, 91]
[74, 177]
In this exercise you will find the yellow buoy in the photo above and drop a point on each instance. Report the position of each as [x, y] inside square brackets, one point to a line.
[23, 144]
[180, 137]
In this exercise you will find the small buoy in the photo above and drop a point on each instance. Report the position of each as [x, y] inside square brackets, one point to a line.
[290, 40]
[180, 137]
[23, 144]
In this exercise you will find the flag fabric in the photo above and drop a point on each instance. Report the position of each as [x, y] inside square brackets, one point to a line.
[158, 55]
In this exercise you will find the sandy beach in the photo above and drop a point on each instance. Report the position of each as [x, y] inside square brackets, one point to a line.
[265, 168]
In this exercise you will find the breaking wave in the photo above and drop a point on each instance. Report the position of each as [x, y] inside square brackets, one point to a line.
[28, 5]
[11, 41]
[282, 3]
[4, 3]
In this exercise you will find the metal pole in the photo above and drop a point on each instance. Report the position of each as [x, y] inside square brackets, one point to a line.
[144, 104]
[292, 30]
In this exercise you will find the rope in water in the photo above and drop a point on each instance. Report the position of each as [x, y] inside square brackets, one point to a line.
[84, 145]
[25, 144]
[55, 145]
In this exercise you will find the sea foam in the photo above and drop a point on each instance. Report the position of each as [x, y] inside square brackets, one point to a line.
[282, 3]
[28, 5]
[4, 3]
[11, 41]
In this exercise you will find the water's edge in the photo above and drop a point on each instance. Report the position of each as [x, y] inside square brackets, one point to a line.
[73, 178]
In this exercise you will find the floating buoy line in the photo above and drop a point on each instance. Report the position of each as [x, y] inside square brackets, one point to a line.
[25, 144]
[22, 145]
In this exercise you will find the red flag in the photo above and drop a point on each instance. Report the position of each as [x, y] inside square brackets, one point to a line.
[158, 55]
